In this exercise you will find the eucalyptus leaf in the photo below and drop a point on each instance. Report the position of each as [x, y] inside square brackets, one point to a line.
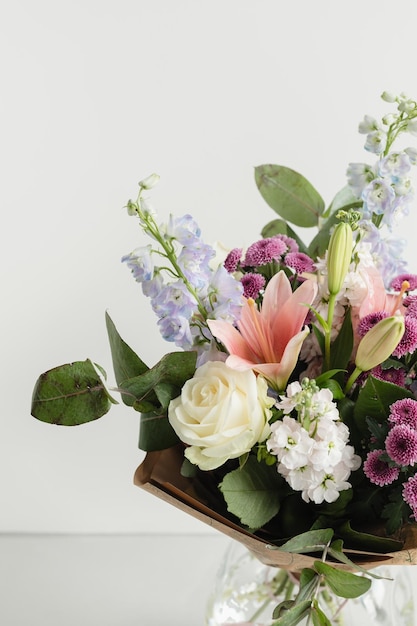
[343, 584]
[289, 194]
[318, 617]
[163, 381]
[252, 493]
[294, 615]
[156, 433]
[311, 541]
[126, 363]
[70, 394]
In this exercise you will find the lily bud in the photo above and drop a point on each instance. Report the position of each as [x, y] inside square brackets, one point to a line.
[379, 342]
[339, 256]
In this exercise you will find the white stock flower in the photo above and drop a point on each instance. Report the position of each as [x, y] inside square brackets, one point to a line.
[221, 414]
[316, 459]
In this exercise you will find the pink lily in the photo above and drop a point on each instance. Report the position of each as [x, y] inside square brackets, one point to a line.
[269, 340]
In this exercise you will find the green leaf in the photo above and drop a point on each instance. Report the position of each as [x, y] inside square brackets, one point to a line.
[70, 395]
[336, 551]
[164, 381]
[252, 493]
[156, 433]
[289, 194]
[311, 541]
[126, 363]
[293, 615]
[280, 227]
[343, 584]
[356, 540]
[341, 349]
[318, 617]
[374, 400]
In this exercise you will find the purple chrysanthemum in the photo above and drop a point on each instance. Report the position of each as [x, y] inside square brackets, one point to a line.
[369, 321]
[410, 493]
[232, 260]
[292, 245]
[410, 303]
[397, 283]
[299, 262]
[390, 375]
[252, 284]
[404, 412]
[408, 341]
[264, 251]
[401, 445]
[378, 471]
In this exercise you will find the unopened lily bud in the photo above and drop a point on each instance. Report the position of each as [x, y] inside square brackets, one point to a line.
[379, 342]
[149, 181]
[339, 256]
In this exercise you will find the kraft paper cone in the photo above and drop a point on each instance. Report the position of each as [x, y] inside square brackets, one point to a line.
[160, 475]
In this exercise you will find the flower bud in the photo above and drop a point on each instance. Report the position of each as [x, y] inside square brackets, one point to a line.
[388, 96]
[339, 256]
[379, 342]
[149, 181]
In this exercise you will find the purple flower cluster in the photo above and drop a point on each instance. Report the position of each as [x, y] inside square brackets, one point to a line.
[185, 290]
[383, 466]
[279, 251]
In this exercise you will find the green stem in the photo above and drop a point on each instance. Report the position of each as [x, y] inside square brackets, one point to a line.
[328, 330]
[354, 375]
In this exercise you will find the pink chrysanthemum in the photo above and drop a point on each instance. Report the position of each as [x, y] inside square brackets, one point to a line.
[264, 251]
[390, 375]
[410, 302]
[408, 341]
[404, 412]
[299, 262]
[401, 444]
[378, 471]
[410, 493]
[232, 260]
[397, 283]
[252, 284]
[292, 245]
[369, 321]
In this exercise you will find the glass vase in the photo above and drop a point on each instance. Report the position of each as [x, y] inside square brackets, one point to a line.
[246, 592]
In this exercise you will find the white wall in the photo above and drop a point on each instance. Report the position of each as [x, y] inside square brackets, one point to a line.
[97, 94]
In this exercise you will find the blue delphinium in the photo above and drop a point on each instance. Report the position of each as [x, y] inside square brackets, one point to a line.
[178, 277]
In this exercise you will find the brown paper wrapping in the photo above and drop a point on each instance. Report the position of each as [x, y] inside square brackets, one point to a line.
[159, 474]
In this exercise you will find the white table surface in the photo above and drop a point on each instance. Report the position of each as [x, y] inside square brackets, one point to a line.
[111, 580]
[107, 580]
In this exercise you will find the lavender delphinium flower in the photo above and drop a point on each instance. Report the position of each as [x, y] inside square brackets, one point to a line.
[184, 229]
[224, 296]
[194, 263]
[140, 263]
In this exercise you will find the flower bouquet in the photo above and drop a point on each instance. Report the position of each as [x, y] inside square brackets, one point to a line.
[288, 418]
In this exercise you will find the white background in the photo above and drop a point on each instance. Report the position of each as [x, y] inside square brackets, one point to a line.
[97, 94]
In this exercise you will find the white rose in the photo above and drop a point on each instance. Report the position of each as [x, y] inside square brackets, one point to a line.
[221, 414]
